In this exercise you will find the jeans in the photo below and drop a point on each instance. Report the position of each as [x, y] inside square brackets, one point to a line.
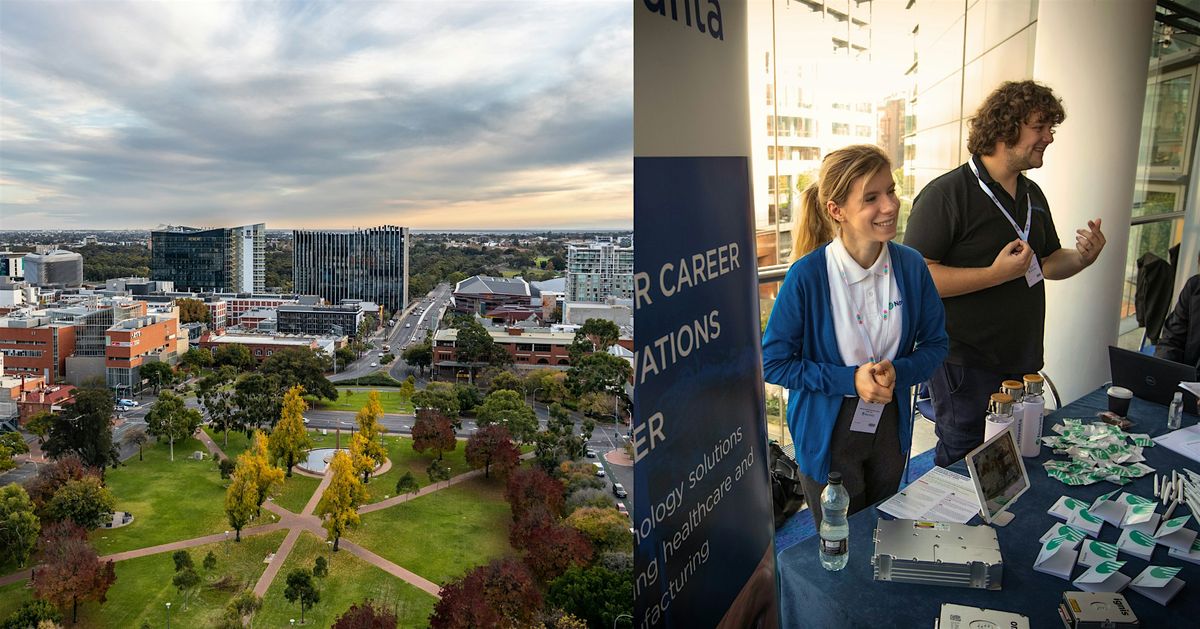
[960, 404]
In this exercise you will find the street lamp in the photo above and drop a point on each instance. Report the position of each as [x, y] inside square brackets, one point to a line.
[168, 614]
[620, 617]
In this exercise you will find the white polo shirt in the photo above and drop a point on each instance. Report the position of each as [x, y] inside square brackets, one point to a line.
[865, 301]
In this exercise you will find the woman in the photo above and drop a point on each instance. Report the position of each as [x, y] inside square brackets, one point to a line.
[857, 322]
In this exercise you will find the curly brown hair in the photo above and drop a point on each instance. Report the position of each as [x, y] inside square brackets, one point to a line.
[1000, 116]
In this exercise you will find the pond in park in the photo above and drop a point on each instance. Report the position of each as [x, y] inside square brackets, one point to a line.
[318, 460]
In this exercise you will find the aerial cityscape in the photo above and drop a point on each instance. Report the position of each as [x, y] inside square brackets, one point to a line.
[311, 315]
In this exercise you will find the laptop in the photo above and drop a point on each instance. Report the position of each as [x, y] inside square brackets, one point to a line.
[1151, 379]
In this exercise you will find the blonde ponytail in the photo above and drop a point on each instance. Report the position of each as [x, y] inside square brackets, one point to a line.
[839, 171]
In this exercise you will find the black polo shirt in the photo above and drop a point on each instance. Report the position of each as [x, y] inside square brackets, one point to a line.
[954, 222]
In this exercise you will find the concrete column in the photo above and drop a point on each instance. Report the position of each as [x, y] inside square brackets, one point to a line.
[1095, 55]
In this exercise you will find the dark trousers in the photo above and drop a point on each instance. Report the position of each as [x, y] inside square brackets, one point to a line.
[870, 463]
[960, 404]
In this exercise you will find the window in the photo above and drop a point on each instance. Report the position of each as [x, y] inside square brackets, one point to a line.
[258, 352]
[841, 128]
[862, 131]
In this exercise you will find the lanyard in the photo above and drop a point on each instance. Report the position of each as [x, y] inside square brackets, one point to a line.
[861, 327]
[988, 191]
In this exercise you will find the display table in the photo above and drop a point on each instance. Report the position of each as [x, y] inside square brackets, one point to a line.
[814, 597]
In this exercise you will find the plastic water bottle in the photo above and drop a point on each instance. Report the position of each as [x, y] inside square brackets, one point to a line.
[1174, 418]
[835, 529]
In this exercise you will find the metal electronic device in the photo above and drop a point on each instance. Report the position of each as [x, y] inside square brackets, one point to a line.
[966, 617]
[999, 476]
[937, 553]
[1096, 610]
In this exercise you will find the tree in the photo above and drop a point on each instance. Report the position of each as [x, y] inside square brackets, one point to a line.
[300, 366]
[192, 311]
[408, 388]
[546, 385]
[52, 476]
[362, 464]
[606, 529]
[170, 419]
[183, 560]
[320, 568]
[506, 408]
[216, 398]
[71, 570]
[244, 604]
[186, 580]
[419, 356]
[492, 445]
[234, 355]
[257, 400]
[19, 525]
[407, 484]
[157, 375]
[474, 345]
[339, 504]
[196, 359]
[553, 548]
[11, 444]
[255, 465]
[369, 436]
[289, 440]
[32, 614]
[135, 436]
[468, 396]
[600, 372]
[589, 497]
[85, 502]
[344, 356]
[433, 432]
[595, 594]
[241, 503]
[366, 615]
[593, 335]
[500, 594]
[39, 424]
[530, 487]
[506, 380]
[210, 561]
[300, 588]
[438, 396]
[85, 428]
[437, 473]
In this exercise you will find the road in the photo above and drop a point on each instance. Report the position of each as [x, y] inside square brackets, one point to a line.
[421, 317]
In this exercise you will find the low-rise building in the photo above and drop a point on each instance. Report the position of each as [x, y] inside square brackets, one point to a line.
[134, 342]
[33, 344]
[481, 294]
[263, 346]
[342, 319]
[536, 348]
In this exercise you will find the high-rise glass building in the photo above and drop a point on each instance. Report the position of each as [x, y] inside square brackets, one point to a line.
[368, 264]
[599, 270]
[223, 259]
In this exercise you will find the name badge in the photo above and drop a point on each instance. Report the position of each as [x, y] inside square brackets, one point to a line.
[1033, 274]
[866, 416]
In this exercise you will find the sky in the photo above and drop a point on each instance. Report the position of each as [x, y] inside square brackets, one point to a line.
[431, 115]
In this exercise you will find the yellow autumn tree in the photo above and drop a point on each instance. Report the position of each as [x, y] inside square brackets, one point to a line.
[240, 502]
[289, 440]
[369, 451]
[338, 507]
[255, 465]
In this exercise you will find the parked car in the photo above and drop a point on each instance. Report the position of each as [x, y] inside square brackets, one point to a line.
[621, 507]
[619, 491]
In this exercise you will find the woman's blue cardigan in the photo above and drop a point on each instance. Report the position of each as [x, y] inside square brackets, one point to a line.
[800, 350]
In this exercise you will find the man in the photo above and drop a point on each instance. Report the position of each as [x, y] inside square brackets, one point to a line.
[1180, 340]
[986, 233]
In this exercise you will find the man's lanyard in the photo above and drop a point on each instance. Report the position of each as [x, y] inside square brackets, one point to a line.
[858, 310]
[988, 191]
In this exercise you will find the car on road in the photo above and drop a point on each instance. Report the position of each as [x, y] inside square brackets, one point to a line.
[374, 364]
[621, 507]
[127, 402]
[619, 491]
[591, 454]
[305, 419]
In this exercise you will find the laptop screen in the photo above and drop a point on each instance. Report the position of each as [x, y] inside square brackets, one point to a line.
[1151, 379]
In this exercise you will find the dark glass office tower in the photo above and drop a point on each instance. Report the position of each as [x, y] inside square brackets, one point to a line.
[367, 264]
[222, 260]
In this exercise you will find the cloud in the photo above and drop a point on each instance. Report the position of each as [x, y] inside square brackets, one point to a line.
[312, 114]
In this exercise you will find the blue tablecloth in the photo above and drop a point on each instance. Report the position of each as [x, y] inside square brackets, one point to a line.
[814, 597]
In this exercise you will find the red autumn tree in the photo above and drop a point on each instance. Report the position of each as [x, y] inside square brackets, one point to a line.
[71, 570]
[52, 476]
[531, 486]
[500, 594]
[531, 523]
[492, 446]
[553, 549]
[366, 615]
[433, 432]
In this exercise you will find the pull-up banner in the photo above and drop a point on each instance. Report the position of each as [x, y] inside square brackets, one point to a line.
[702, 505]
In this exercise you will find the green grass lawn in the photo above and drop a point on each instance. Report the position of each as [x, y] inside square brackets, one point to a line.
[392, 402]
[442, 535]
[404, 459]
[296, 492]
[170, 501]
[351, 580]
[143, 587]
[238, 442]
